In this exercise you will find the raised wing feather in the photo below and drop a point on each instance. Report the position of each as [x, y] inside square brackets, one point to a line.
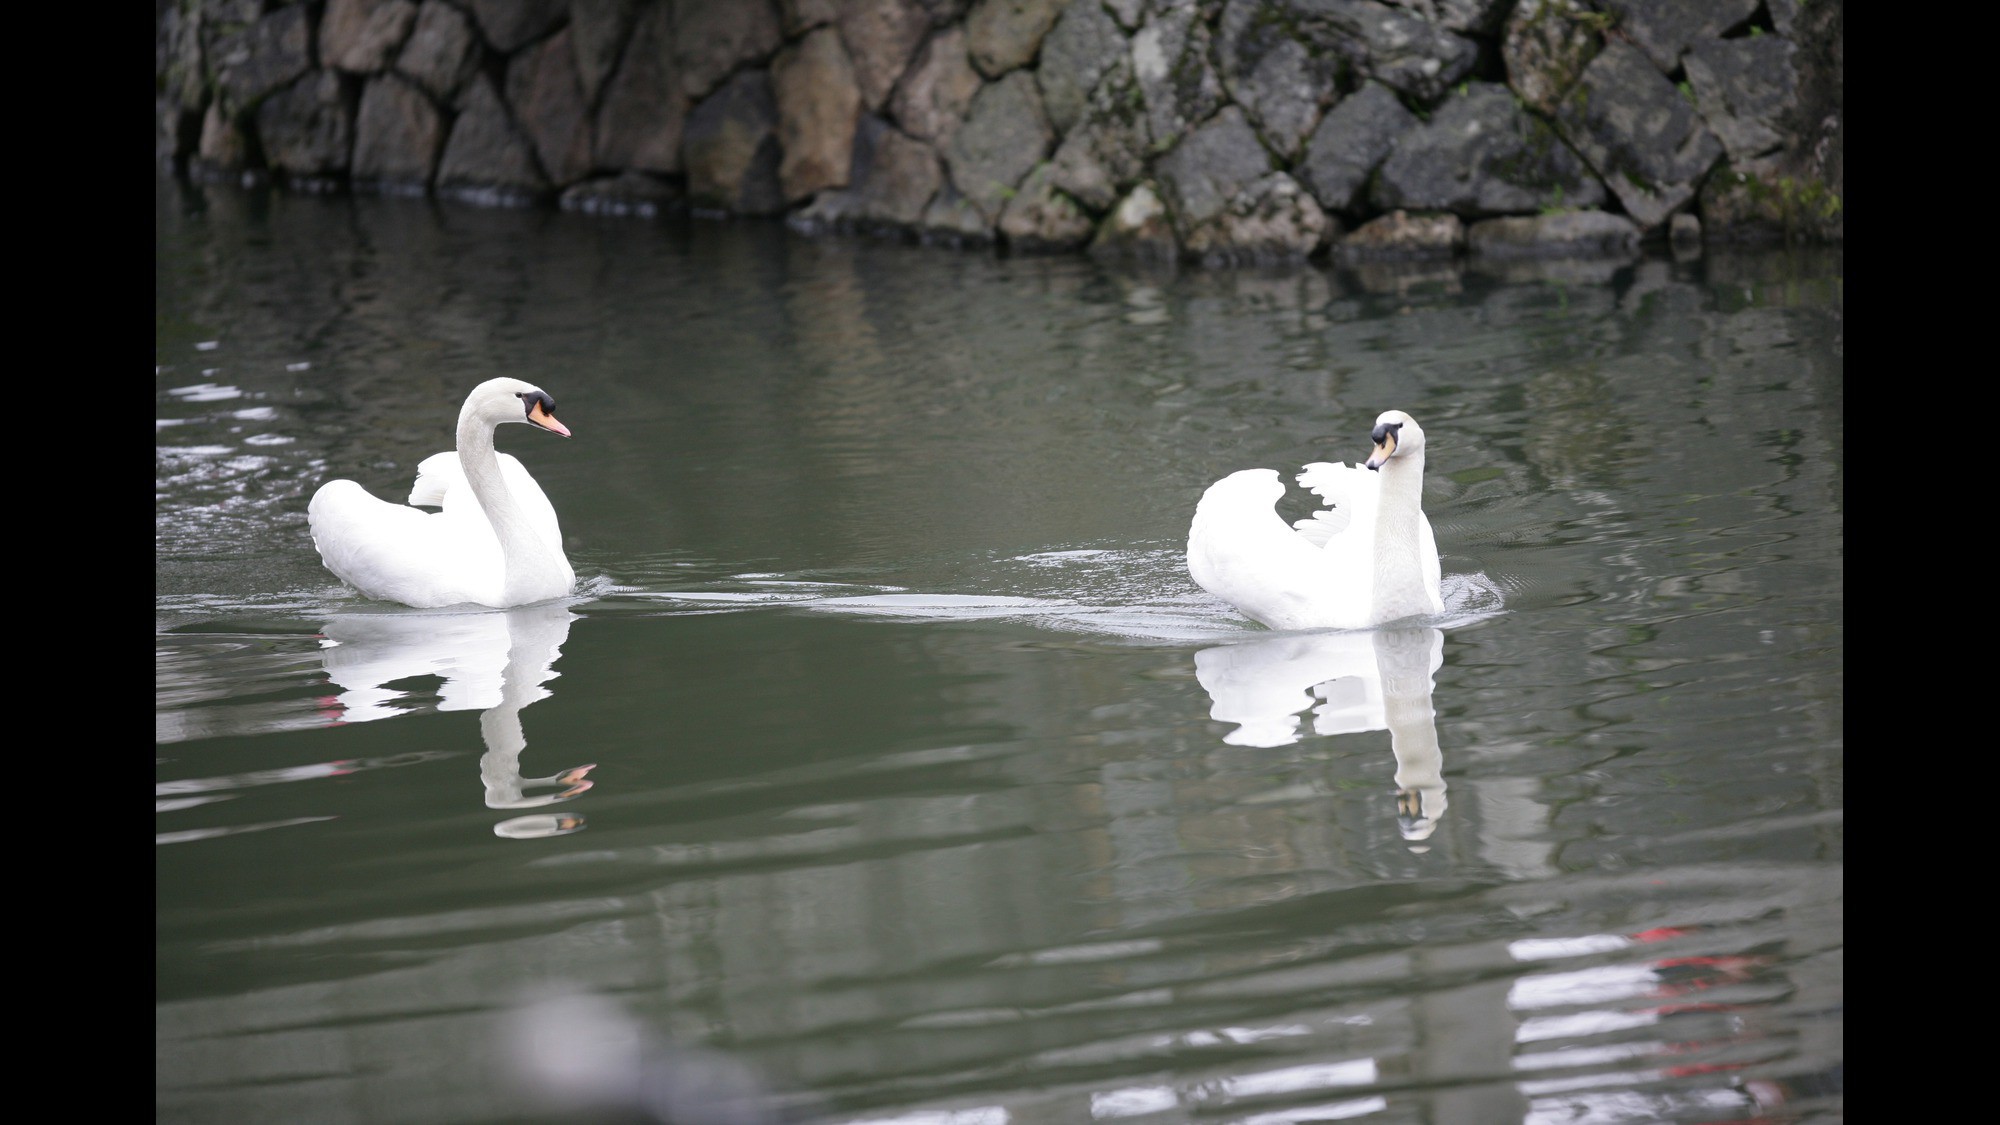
[441, 483]
[1350, 492]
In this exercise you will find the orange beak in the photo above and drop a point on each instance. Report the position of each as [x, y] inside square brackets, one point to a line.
[546, 420]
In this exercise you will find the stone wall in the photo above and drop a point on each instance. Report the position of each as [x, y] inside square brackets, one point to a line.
[1220, 131]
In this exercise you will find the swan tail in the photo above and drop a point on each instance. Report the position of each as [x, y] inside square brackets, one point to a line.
[369, 543]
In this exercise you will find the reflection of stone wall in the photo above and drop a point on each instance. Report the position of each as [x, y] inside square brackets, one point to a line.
[1212, 130]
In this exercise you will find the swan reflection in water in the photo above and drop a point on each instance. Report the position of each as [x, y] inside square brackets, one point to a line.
[1353, 681]
[495, 662]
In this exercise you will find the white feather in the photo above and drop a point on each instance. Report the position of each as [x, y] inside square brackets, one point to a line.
[1368, 559]
[495, 540]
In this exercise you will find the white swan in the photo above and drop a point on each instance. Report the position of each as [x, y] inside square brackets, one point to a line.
[1367, 560]
[495, 541]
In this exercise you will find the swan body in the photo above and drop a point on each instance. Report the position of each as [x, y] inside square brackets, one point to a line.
[1368, 559]
[494, 541]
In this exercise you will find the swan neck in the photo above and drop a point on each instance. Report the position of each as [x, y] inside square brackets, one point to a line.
[521, 547]
[1402, 501]
[1399, 579]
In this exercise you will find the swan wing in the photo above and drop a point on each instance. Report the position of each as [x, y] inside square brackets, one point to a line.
[404, 554]
[1350, 492]
[1240, 550]
[1353, 493]
[436, 475]
[441, 484]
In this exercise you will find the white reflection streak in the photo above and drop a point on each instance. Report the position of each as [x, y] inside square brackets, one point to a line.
[1292, 1079]
[1331, 1111]
[978, 1115]
[187, 835]
[1633, 1106]
[1585, 1056]
[1381, 679]
[1579, 1024]
[494, 662]
[1545, 949]
[1598, 985]
[1132, 1101]
[1071, 954]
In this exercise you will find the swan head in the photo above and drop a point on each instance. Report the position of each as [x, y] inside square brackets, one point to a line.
[512, 400]
[1396, 434]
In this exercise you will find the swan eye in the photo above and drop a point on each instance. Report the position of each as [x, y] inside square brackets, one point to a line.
[1385, 431]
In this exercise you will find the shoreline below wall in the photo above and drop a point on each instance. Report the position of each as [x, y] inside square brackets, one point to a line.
[1367, 134]
[1741, 267]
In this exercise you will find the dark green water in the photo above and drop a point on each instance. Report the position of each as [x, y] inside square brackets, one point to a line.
[889, 752]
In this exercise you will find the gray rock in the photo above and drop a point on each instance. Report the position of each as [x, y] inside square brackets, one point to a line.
[397, 135]
[1106, 152]
[488, 160]
[509, 25]
[934, 96]
[1784, 15]
[1351, 141]
[599, 30]
[178, 60]
[1684, 233]
[1004, 135]
[1766, 199]
[1643, 138]
[1001, 35]
[818, 106]
[307, 128]
[1270, 219]
[1279, 83]
[945, 13]
[1400, 235]
[222, 147]
[880, 36]
[711, 40]
[1083, 45]
[645, 107]
[1745, 90]
[804, 15]
[1563, 234]
[894, 178]
[1482, 154]
[1476, 17]
[1663, 29]
[1402, 50]
[1206, 171]
[730, 148]
[442, 51]
[547, 97]
[1138, 230]
[1040, 218]
[1128, 12]
[952, 218]
[252, 62]
[1546, 45]
[1170, 60]
[628, 194]
[1092, 163]
[179, 131]
[362, 35]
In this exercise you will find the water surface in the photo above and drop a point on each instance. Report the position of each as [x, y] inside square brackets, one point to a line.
[887, 752]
